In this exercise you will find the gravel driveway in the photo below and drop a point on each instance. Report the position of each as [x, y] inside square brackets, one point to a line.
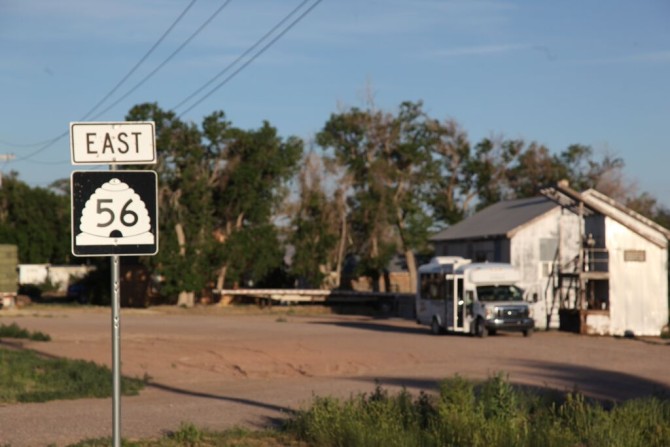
[217, 369]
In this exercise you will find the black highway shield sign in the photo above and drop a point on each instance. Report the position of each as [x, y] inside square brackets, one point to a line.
[114, 213]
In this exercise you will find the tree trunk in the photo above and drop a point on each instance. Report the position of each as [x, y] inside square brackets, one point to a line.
[411, 268]
[186, 299]
[181, 239]
[340, 251]
[221, 277]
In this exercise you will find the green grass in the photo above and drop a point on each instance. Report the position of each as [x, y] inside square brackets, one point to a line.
[26, 376]
[491, 414]
[462, 413]
[188, 435]
[15, 331]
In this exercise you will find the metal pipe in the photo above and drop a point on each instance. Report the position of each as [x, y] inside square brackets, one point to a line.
[116, 354]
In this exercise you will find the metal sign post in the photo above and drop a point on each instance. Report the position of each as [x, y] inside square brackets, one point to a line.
[116, 347]
[116, 353]
[114, 213]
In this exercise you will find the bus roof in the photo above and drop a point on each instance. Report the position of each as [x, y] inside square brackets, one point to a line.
[489, 272]
[443, 264]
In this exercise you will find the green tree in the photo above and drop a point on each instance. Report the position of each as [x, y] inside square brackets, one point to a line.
[185, 203]
[249, 173]
[452, 187]
[535, 168]
[37, 220]
[387, 157]
[315, 226]
[488, 170]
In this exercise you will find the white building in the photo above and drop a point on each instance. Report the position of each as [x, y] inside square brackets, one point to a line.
[58, 275]
[613, 282]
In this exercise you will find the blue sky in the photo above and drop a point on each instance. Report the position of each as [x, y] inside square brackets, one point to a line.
[554, 72]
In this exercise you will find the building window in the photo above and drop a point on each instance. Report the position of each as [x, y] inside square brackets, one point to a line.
[634, 256]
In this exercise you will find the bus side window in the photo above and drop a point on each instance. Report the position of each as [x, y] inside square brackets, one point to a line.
[435, 287]
[425, 286]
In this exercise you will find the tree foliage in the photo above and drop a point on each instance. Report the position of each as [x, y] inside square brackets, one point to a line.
[219, 189]
[385, 179]
[387, 156]
[316, 226]
[37, 220]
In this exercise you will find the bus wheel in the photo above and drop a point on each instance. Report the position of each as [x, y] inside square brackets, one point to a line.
[435, 328]
[480, 329]
[528, 332]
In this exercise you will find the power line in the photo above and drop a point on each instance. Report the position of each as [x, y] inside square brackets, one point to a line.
[45, 147]
[146, 78]
[253, 58]
[242, 56]
[162, 64]
[37, 143]
[49, 143]
[144, 58]
[52, 141]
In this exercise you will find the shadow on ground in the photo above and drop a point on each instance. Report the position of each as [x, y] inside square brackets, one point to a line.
[599, 384]
[380, 325]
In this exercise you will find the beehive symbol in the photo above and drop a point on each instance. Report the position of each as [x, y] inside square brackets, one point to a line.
[115, 215]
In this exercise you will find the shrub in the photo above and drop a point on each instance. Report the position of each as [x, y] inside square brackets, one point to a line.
[14, 331]
[492, 414]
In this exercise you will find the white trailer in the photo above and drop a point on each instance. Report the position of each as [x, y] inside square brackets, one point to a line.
[456, 295]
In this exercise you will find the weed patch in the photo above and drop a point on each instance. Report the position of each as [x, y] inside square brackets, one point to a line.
[15, 331]
[27, 377]
[493, 413]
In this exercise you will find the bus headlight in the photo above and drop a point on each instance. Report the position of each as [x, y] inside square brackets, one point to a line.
[490, 312]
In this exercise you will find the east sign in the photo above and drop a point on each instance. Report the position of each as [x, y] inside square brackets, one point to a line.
[94, 143]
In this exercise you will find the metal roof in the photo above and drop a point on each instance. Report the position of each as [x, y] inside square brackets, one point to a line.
[497, 220]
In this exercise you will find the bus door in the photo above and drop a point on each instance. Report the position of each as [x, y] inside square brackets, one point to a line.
[450, 314]
[460, 303]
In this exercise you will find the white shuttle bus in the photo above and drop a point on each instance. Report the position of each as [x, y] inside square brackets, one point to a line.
[456, 295]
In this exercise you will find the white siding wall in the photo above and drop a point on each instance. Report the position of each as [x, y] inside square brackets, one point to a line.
[638, 290]
[525, 255]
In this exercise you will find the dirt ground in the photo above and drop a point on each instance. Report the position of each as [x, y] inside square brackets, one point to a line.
[219, 368]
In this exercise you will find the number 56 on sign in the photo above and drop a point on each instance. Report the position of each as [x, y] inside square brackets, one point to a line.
[114, 213]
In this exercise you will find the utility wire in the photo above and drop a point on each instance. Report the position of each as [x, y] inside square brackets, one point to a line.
[168, 59]
[37, 143]
[242, 56]
[253, 58]
[43, 148]
[146, 78]
[52, 141]
[144, 58]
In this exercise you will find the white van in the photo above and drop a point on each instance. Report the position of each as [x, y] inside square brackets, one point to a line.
[456, 295]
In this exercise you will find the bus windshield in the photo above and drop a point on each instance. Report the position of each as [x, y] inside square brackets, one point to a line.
[499, 293]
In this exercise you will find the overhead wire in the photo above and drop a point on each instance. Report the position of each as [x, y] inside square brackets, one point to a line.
[168, 59]
[142, 81]
[253, 58]
[141, 61]
[48, 143]
[242, 56]
[221, 73]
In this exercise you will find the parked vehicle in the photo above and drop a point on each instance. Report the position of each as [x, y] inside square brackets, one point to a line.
[456, 295]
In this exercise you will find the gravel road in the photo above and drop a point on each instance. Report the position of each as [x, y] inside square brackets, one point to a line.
[218, 369]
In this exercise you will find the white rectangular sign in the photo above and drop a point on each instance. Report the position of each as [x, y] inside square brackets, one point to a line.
[124, 142]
